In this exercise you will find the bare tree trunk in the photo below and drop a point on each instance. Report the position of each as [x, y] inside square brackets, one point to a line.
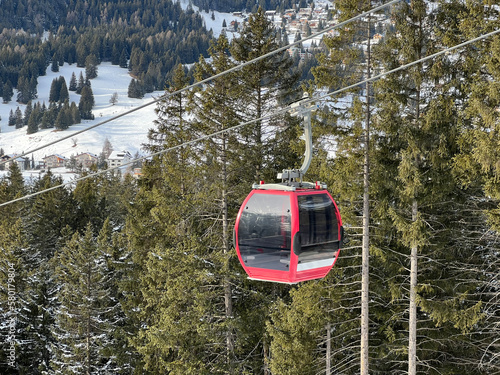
[328, 349]
[228, 301]
[267, 371]
[412, 329]
[365, 267]
[412, 324]
[89, 274]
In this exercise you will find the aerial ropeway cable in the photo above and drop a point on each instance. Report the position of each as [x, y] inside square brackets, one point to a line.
[200, 83]
[276, 113]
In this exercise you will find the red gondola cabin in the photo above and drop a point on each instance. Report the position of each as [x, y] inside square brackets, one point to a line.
[288, 234]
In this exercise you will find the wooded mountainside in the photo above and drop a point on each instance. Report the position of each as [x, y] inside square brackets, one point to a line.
[124, 276]
[149, 37]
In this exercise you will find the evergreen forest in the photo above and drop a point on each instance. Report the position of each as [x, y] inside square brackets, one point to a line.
[116, 275]
[149, 37]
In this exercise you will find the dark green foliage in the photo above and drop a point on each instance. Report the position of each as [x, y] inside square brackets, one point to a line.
[58, 90]
[262, 84]
[7, 92]
[91, 69]
[19, 121]
[159, 32]
[88, 313]
[135, 89]
[144, 271]
[86, 103]
[72, 82]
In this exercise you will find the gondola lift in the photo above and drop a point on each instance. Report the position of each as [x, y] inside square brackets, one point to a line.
[291, 231]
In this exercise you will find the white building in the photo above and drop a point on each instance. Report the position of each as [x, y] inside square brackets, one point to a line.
[118, 158]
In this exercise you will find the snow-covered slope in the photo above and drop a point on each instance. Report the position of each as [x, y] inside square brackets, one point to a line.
[126, 133]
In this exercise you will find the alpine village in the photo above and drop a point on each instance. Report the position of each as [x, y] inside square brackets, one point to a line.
[187, 238]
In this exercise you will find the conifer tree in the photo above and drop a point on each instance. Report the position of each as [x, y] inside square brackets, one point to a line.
[43, 238]
[32, 125]
[81, 83]
[85, 315]
[12, 118]
[63, 119]
[7, 92]
[263, 84]
[27, 112]
[214, 109]
[86, 103]
[63, 92]
[72, 82]
[478, 71]
[123, 62]
[54, 67]
[55, 90]
[91, 68]
[18, 114]
[419, 118]
[345, 64]
[180, 251]
[14, 271]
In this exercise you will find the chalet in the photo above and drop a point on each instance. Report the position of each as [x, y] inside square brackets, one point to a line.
[234, 26]
[54, 161]
[3, 160]
[86, 159]
[377, 38]
[304, 12]
[118, 158]
[137, 172]
[22, 163]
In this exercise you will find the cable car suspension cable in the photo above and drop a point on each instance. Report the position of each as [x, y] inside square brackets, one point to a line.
[200, 83]
[276, 113]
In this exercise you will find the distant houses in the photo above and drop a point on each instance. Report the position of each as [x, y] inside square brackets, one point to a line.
[83, 160]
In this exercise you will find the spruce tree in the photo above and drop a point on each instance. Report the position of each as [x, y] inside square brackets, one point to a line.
[55, 90]
[348, 118]
[420, 211]
[7, 92]
[91, 68]
[72, 82]
[18, 114]
[263, 84]
[85, 313]
[474, 166]
[86, 103]
[12, 118]
[43, 238]
[32, 125]
[63, 91]
[14, 271]
[80, 84]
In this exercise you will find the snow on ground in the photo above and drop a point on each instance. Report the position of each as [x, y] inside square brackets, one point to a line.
[216, 23]
[126, 133]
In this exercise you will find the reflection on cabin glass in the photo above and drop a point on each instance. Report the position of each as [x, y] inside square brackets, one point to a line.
[319, 232]
[264, 232]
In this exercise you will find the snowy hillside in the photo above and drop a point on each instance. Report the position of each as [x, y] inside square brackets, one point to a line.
[127, 133]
